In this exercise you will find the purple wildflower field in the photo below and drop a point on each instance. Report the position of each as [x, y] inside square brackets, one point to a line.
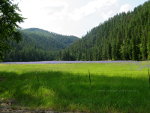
[66, 62]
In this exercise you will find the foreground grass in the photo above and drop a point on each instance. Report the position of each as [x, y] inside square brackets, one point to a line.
[112, 87]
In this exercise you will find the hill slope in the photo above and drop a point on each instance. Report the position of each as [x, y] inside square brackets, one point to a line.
[47, 39]
[126, 36]
[38, 44]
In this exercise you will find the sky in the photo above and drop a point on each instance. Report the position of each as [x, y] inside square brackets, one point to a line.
[71, 17]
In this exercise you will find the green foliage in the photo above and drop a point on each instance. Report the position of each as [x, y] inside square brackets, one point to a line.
[38, 45]
[114, 87]
[9, 19]
[124, 37]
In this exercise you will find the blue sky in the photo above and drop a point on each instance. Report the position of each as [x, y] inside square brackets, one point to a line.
[71, 17]
[134, 3]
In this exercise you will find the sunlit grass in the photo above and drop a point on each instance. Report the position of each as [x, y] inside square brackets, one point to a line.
[114, 87]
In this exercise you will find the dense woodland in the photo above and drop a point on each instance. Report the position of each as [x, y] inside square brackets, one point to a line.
[126, 36]
[37, 45]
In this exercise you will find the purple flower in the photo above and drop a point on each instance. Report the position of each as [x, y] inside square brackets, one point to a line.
[66, 62]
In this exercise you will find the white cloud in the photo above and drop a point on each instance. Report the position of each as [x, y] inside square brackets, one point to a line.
[107, 15]
[40, 13]
[91, 7]
[125, 8]
[71, 17]
[62, 17]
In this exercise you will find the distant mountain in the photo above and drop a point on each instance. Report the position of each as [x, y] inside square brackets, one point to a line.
[48, 40]
[126, 36]
[38, 44]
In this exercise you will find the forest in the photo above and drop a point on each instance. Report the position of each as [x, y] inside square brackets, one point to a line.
[126, 36]
[38, 45]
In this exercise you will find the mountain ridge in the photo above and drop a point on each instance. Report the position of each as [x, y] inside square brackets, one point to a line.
[45, 31]
[126, 36]
[38, 44]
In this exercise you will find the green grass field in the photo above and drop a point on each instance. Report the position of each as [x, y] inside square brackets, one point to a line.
[95, 88]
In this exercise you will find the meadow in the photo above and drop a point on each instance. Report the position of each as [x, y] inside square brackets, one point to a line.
[119, 87]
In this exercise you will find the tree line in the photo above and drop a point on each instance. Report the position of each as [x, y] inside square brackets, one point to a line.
[38, 45]
[126, 36]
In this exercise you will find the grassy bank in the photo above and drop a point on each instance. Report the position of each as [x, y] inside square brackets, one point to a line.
[101, 88]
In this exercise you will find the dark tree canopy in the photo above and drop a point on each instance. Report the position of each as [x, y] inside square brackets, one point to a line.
[126, 36]
[38, 45]
[9, 19]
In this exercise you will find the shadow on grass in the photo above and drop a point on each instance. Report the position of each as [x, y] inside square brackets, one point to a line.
[63, 91]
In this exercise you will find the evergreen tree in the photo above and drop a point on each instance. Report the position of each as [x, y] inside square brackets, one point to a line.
[124, 37]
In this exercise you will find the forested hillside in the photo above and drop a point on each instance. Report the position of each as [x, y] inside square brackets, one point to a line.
[126, 36]
[37, 45]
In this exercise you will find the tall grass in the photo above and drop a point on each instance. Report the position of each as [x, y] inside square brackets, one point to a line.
[98, 88]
